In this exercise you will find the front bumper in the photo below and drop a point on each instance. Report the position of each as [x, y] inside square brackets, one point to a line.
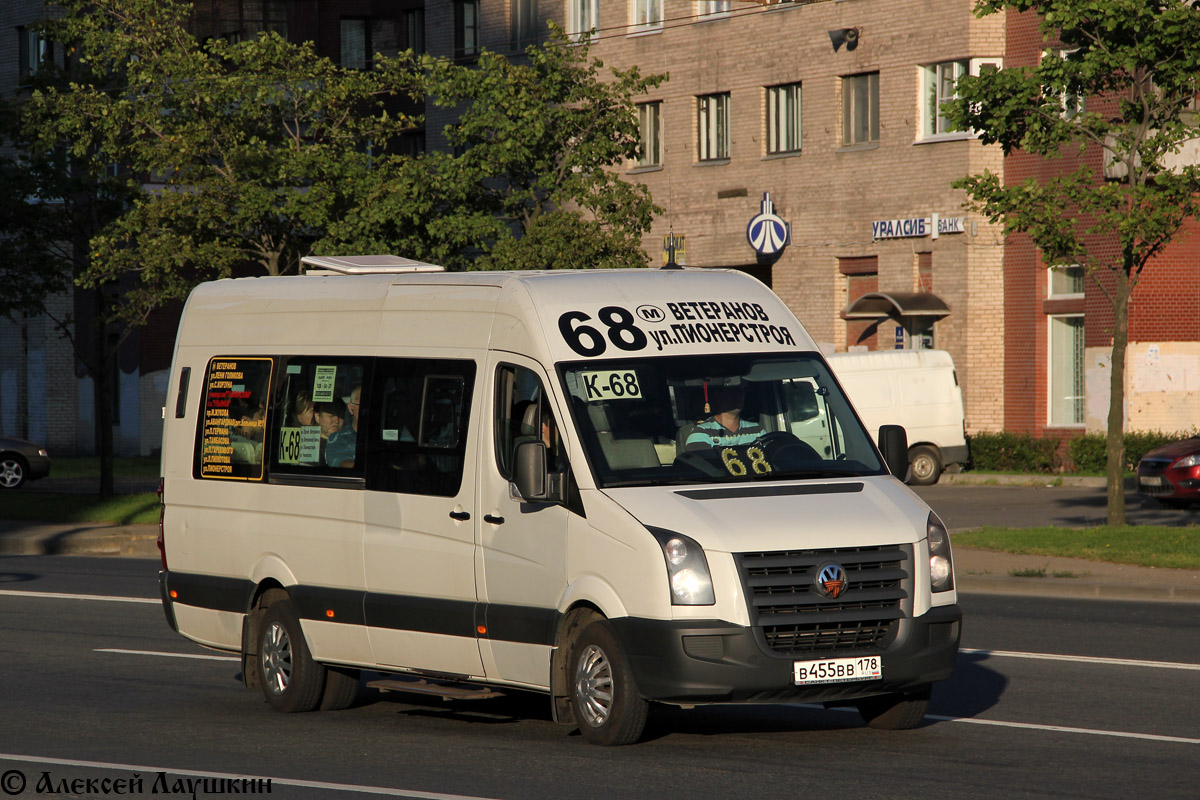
[39, 467]
[698, 661]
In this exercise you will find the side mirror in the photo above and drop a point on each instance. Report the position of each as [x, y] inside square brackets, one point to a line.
[893, 444]
[529, 471]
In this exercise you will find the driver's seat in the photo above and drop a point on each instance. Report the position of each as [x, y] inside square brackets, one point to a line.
[681, 437]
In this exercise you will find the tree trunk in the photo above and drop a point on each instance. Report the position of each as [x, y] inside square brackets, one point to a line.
[1115, 443]
[103, 394]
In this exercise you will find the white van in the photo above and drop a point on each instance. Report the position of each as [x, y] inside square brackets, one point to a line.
[916, 389]
[474, 481]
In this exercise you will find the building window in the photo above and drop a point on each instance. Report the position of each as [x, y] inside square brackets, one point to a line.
[1072, 101]
[354, 43]
[523, 26]
[713, 8]
[938, 83]
[414, 30]
[713, 119]
[1065, 282]
[647, 14]
[1066, 370]
[34, 52]
[362, 39]
[649, 134]
[466, 29]
[583, 18]
[860, 109]
[238, 20]
[783, 119]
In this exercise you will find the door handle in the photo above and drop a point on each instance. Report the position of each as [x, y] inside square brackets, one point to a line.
[493, 520]
[461, 516]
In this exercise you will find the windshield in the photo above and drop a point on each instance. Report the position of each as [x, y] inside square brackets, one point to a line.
[691, 419]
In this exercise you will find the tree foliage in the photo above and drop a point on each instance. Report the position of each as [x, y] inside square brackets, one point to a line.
[529, 181]
[1139, 64]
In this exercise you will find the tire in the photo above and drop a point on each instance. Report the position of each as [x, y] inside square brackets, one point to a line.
[895, 712]
[341, 688]
[604, 697]
[1169, 503]
[13, 472]
[291, 681]
[926, 464]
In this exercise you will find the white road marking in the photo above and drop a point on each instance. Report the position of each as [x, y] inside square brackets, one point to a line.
[61, 596]
[1064, 729]
[191, 773]
[1117, 662]
[166, 655]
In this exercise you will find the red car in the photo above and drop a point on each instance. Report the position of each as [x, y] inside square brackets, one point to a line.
[1171, 473]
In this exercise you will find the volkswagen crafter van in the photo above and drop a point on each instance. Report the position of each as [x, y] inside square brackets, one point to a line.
[612, 487]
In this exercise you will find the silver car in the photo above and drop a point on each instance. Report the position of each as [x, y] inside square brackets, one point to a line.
[21, 461]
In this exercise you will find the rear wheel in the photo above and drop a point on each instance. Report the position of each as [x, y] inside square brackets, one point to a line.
[926, 465]
[895, 712]
[607, 706]
[291, 681]
[12, 472]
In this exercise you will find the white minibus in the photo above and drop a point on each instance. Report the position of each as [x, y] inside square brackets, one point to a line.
[615, 488]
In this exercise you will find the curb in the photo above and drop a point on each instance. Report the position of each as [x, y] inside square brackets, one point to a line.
[1070, 588]
[1049, 481]
[139, 541]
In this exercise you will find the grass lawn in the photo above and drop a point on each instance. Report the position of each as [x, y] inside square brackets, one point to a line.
[1140, 545]
[124, 509]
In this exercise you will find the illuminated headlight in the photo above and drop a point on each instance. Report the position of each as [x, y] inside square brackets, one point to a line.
[687, 569]
[1189, 461]
[941, 562]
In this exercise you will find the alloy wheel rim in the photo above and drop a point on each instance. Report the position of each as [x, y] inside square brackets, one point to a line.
[594, 686]
[277, 658]
[10, 473]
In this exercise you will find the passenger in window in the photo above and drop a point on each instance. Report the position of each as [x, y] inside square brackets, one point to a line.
[329, 416]
[343, 444]
[302, 413]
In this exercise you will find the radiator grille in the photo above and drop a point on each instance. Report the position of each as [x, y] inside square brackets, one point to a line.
[795, 619]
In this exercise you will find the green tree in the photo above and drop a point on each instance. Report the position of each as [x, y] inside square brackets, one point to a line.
[52, 204]
[1139, 64]
[531, 181]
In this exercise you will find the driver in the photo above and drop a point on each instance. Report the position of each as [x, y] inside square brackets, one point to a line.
[725, 428]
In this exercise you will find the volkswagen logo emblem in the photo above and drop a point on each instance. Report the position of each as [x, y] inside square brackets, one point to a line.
[831, 580]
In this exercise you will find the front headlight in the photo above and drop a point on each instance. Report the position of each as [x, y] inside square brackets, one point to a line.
[1189, 461]
[687, 569]
[941, 562]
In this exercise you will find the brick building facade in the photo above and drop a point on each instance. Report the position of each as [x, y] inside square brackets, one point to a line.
[1059, 326]
[860, 195]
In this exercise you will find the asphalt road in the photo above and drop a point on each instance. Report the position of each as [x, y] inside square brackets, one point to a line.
[95, 689]
[963, 507]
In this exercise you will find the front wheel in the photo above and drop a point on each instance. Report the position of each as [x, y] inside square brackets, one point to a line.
[12, 472]
[926, 465]
[291, 681]
[605, 699]
[895, 712]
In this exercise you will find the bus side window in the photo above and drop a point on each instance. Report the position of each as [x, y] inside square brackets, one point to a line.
[417, 432]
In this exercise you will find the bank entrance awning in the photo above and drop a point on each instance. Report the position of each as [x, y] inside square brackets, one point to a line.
[874, 305]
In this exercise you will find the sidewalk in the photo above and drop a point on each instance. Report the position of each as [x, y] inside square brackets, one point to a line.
[976, 571]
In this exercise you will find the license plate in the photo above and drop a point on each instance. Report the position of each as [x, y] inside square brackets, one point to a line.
[838, 670]
[1151, 480]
